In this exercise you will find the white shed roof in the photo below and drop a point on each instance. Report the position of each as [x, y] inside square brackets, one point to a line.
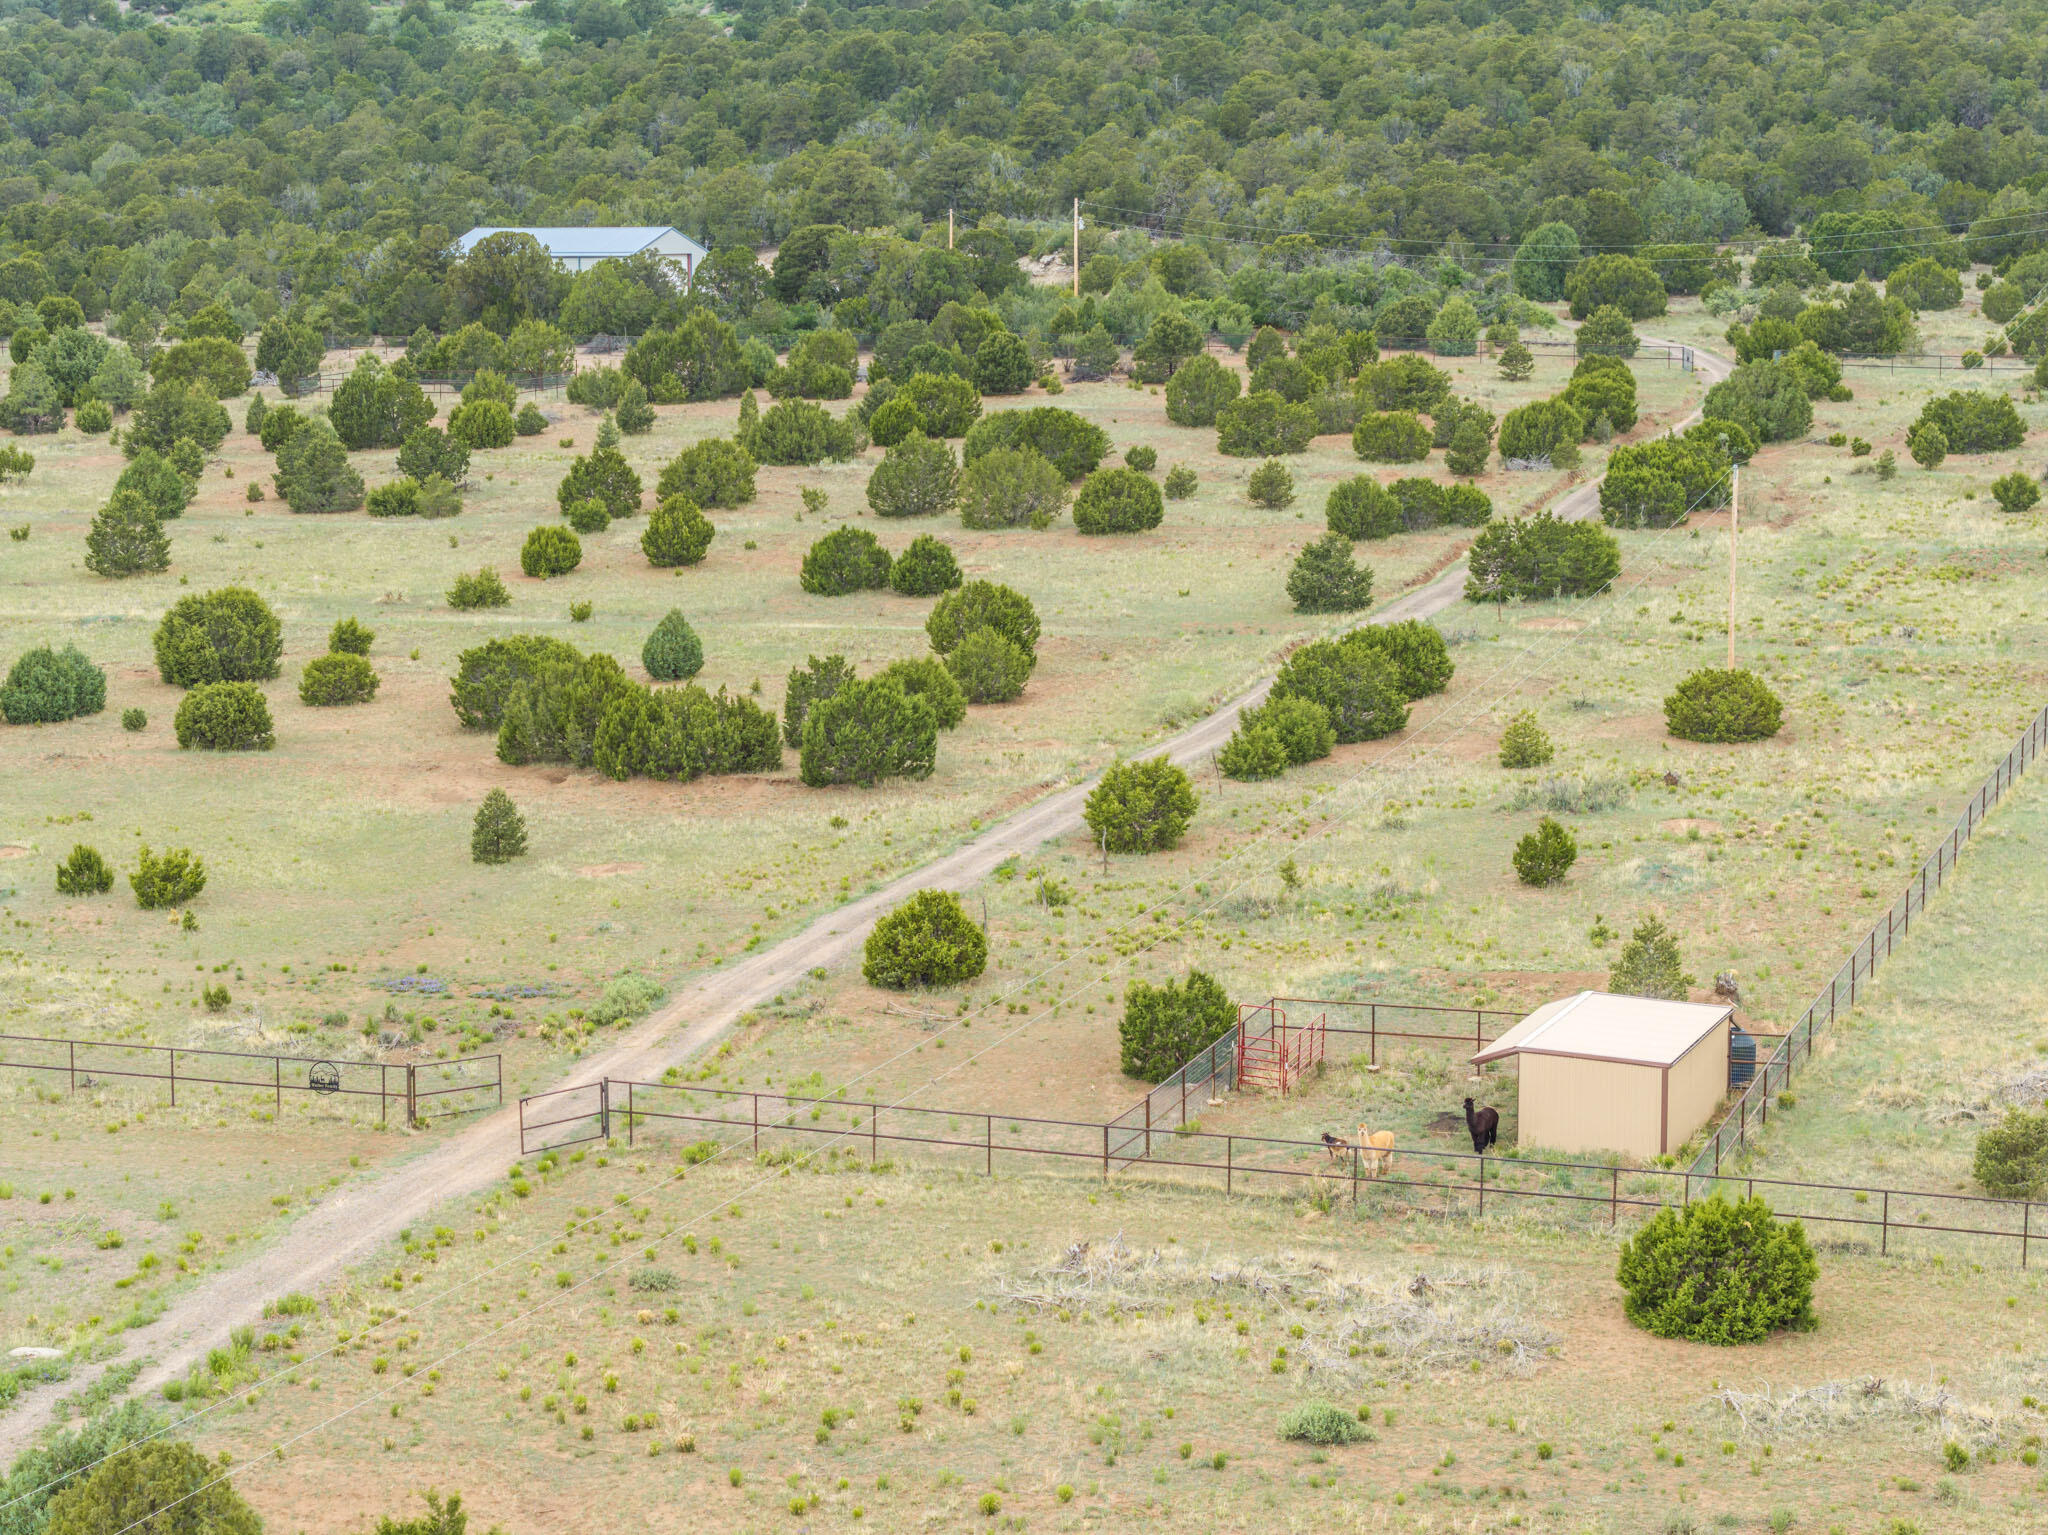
[588, 244]
[1597, 1025]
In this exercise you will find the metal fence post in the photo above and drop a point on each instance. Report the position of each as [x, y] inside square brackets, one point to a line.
[1105, 1153]
[1148, 1124]
[757, 1123]
[1373, 1050]
[412, 1095]
[2026, 1228]
[1482, 1183]
[383, 1076]
[629, 1111]
[988, 1142]
[1229, 1161]
[1884, 1226]
[174, 1076]
[874, 1114]
[501, 1079]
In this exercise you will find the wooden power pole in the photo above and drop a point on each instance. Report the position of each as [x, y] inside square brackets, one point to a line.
[1077, 247]
[949, 229]
[1734, 518]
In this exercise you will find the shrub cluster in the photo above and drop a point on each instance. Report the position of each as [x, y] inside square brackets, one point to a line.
[550, 550]
[1354, 681]
[1973, 422]
[226, 716]
[1715, 705]
[171, 878]
[716, 472]
[917, 477]
[1540, 557]
[843, 561]
[1326, 579]
[1072, 445]
[1118, 501]
[85, 872]
[1716, 1272]
[1391, 437]
[45, 686]
[867, 730]
[1165, 1027]
[932, 404]
[604, 476]
[478, 589]
[988, 637]
[2012, 1155]
[338, 677]
[1010, 487]
[226, 635]
[1660, 483]
[1140, 807]
[1261, 425]
[1276, 735]
[1362, 508]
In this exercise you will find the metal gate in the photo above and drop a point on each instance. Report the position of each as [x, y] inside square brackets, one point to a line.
[568, 1116]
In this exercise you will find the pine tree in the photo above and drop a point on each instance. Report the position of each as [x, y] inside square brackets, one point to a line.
[1523, 744]
[126, 538]
[1517, 362]
[608, 432]
[750, 422]
[500, 834]
[635, 416]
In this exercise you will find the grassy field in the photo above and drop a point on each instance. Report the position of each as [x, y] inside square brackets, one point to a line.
[835, 1347]
[1901, 621]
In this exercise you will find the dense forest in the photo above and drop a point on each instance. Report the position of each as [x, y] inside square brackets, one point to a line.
[316, 157]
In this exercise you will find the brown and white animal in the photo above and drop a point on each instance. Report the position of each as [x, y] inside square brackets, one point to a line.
[1336, 1146]
[1379, 1151]
[1484, 1125]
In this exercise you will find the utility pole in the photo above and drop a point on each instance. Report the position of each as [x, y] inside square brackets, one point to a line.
[1734, 516]
[949, 229]
[1077, 247]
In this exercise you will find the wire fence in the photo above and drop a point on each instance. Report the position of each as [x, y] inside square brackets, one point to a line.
[326, 382]
[1731, 1135]
[781, 1128]
[417, 1087]
[1360, 1026]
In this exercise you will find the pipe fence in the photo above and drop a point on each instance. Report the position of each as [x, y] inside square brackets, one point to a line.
[90, 1063]
[1731, 1135]
[781, 1128]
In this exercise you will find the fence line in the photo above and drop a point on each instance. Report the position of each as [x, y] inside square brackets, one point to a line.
[1164, 1107]
[1731, 1135]
[780, 1125]
[84, 1061]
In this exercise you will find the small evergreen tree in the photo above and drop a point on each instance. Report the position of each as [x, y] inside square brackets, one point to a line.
[713, 473]
[673, 653]
[550, 551]
[867, 731]
[1181, 482]
[1140, 807]
[337, 678]
[918, 477]
[1326, 579]
[1716, 705]
[499, 835]
[85, 872]
[1118, 500]
[126, 539]
[677, 533]
[161, 1485]
[2016, 492]
[1165, 1027]
[807, 685]
[314, 474]
[989, 666]
[161, 881]
[843, 561]
[480, 589]
[1716, 1272]
[1517, 362]
[348, 637]
[1271, 486]
[1648, 964]
[1469, 449]
[927, 941]
[635, 416]
[1546, 854]
[228, 717]
[227, 635]
[925, 569]
[2012, 1156]
[1928, 444]
[1523, 744]
[601, 475]
[45, 686]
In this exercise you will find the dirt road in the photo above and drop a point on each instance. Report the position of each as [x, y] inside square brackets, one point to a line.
[349, 1225]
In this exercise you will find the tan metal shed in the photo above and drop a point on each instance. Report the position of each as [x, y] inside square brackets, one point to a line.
[1601, 1072]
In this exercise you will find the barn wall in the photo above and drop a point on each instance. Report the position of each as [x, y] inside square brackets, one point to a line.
[1568, 1104]
[1699, 1081]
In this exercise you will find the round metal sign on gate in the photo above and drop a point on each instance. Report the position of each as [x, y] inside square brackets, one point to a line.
[324, 1077]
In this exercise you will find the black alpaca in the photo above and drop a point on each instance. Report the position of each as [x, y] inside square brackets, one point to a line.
[1484, 1125]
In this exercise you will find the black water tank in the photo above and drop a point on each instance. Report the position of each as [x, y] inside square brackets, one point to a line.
[1741, 1058]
